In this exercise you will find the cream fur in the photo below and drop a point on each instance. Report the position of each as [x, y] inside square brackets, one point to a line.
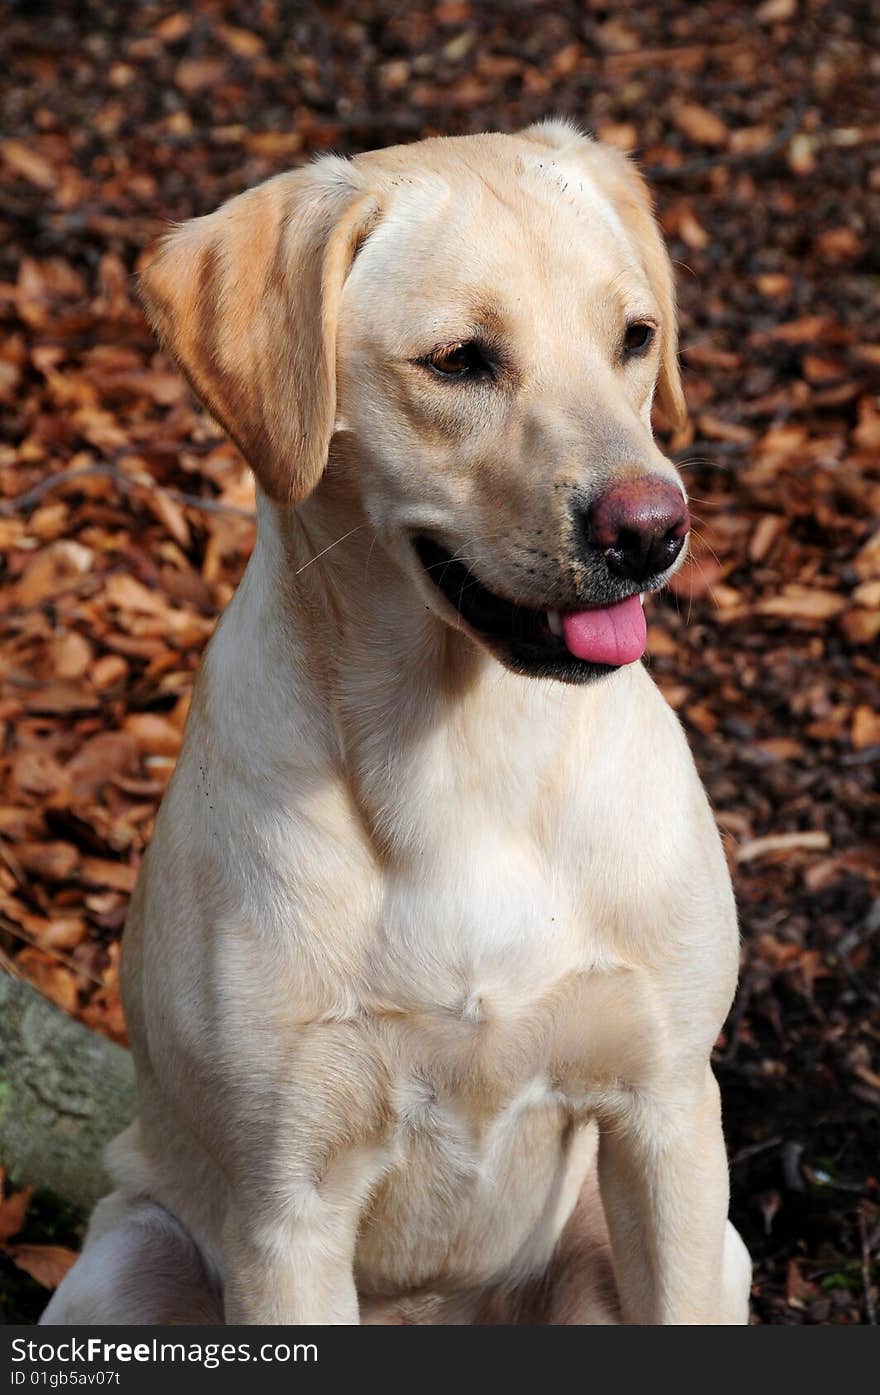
[423, 951]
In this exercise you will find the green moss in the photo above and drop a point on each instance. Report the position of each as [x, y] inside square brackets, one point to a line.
[848, 1276]
[5, 1097]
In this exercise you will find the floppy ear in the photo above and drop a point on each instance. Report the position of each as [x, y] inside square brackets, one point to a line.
[246, 299]
[632, 199]
[626, 188]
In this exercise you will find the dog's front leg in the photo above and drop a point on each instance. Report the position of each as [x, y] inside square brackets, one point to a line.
[290, 1260]
[664, 1184]
[300, 1274]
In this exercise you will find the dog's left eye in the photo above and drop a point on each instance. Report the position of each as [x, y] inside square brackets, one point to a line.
[459, 361]
[638, 339]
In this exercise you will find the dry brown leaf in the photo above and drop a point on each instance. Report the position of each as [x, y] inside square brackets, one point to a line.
[61, 697]
[805, 330]
[195, 74]
[711, 356]
[866, 562]
[173, 27]
[803, 603]
[700, 125]
[108, 672]
[51, 978]
[46, 1263]
[29, 163]
[100, 871]
[242, 42]
[774, 284]
[70, 655]
[56, 861]
[838, 244]
[865, 729]
[767, 530]
[660, 641]
[128, 594]
[169, 513]
[797, 1288]
[99, 760]
[867, 433]
[37, 773]
[62, 932]
[818, 369]
[776, 11]
[715, 429]
[155, 735]
[57, 567]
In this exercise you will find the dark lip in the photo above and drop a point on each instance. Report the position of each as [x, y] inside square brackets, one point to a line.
[519, 635]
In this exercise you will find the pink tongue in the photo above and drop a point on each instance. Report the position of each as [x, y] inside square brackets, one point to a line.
[615, 635]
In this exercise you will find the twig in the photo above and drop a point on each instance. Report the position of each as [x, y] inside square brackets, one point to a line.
[8, 966]
[733, 159]
[792, 1153]
[753, 1149]
[853, 938]
[21, 503]
[67, 960]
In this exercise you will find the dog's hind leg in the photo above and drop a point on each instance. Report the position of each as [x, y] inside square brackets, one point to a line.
[138, 1266]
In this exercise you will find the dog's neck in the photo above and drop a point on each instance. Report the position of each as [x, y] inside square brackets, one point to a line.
[349, 649]
[376, 636]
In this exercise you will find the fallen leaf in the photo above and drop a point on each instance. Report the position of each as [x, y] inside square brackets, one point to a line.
[803, 603]
[195, 74]
[797, 1288]
[60, 565]
[51, 978]
[154, 735]
[56, 861]
[767, 530]
[24, 160]
[700, 125]
[775, 11]
[46, 1263]
[100, 759]
[71, 655]
[99, 871]
[865, 730]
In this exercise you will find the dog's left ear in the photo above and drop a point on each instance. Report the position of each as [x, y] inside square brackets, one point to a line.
[620, 179]
[632, 199]
[247, 299]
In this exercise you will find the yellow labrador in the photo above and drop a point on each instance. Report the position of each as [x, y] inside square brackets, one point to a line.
[435, 933]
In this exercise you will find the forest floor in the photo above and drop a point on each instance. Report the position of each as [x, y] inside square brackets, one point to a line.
[125, 518]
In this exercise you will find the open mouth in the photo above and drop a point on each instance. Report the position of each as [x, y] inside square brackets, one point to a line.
[573, 645]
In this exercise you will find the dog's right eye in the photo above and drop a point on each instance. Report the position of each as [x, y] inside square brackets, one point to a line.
[459, 361]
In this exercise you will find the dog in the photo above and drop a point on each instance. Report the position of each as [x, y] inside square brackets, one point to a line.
[435, 934]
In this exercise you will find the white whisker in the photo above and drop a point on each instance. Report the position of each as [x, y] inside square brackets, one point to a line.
[327, 549]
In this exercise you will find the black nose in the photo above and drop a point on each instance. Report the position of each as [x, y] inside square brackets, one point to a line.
[639, 526]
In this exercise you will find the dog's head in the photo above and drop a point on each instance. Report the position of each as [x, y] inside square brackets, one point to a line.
[486, 320]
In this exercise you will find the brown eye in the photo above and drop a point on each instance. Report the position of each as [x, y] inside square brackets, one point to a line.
[459, 361]
[638, 339]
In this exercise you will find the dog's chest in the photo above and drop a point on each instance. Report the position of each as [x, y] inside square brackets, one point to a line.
[495, 1028]
[493, 974]
[485, 927]
[498, 1018]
